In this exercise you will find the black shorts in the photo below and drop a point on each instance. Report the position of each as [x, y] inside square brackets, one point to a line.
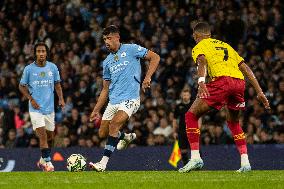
[182, 139]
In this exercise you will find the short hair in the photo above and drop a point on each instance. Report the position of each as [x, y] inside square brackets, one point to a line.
[185, 90]
[110, 29]
[203, 28]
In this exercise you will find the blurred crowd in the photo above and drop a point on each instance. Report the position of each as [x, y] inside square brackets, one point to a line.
[73, 31]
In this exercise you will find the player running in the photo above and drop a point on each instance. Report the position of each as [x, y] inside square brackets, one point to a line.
[122, 75]
[37, 84]
[226, 71]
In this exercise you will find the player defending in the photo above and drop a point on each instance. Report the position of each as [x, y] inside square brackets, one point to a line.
[121, 74]
[226, 70]
[37, 84]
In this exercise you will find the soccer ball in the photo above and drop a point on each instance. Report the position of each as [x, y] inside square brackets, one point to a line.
[76, 163]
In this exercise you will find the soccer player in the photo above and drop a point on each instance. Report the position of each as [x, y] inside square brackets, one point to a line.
[37, 84]
[179, 124]
[121, 74]
[226, 71]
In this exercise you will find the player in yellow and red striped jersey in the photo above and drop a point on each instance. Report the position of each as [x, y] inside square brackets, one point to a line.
[225, 87]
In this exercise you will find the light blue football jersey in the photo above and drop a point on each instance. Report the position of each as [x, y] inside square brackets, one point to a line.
[123, 69]
[40, 82]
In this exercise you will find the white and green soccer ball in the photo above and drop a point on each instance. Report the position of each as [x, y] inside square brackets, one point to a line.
[76, 163]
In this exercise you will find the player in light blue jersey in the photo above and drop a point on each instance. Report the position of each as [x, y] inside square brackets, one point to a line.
[37, 84]
[121, 74]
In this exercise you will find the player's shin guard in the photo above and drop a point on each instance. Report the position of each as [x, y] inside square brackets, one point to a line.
[193, 134]
[239, 136]
[110, 145]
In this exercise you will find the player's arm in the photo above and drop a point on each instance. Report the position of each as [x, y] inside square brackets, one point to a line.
[154, 60]
[25, 91]
[101, 101]
[59, 93]
[201, 72]
[247, 72]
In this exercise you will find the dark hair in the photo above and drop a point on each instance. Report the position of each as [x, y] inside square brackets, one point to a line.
[186, 90]
[41, 44]
[202, 27]
[110, 29]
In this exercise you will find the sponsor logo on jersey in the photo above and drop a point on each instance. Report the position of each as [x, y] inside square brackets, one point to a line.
[50, 73]
[119, 67]
[42, 83]
[42, 74]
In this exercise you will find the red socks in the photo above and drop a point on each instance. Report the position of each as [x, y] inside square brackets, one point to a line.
[193, 133]
[239, 136]
[192, 130]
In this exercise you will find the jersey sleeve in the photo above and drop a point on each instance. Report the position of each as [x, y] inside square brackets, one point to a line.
[196, 51]
[25, 77]
[56, 75]
[106, 73]
[139, 51]
[239, 58]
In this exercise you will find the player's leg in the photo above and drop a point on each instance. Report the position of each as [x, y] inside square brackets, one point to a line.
[49, 127]
[216, 99]
[235, 104]
[41, 134]
[38, 123]
[108, 115]
[45, 160]
[104, 129]
[197, 109]
[239, 138]
[50, 141]
[112, 140]
[50, 138]
[130, 107]
[184, 144]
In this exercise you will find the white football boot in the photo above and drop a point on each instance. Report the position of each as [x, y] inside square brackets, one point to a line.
[244, 168]
[122, 144]
[45, 166]
[99, 167]
[194, 164]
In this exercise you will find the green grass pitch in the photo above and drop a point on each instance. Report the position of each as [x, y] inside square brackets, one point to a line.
[144, 179]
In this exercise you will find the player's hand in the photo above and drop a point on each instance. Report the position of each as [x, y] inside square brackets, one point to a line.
[62, 103]
[146, 83]
[202, 90]
[95, 115]
[261, 97]
[34, 104]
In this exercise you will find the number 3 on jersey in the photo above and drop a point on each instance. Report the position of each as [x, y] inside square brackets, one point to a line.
[226, 55]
